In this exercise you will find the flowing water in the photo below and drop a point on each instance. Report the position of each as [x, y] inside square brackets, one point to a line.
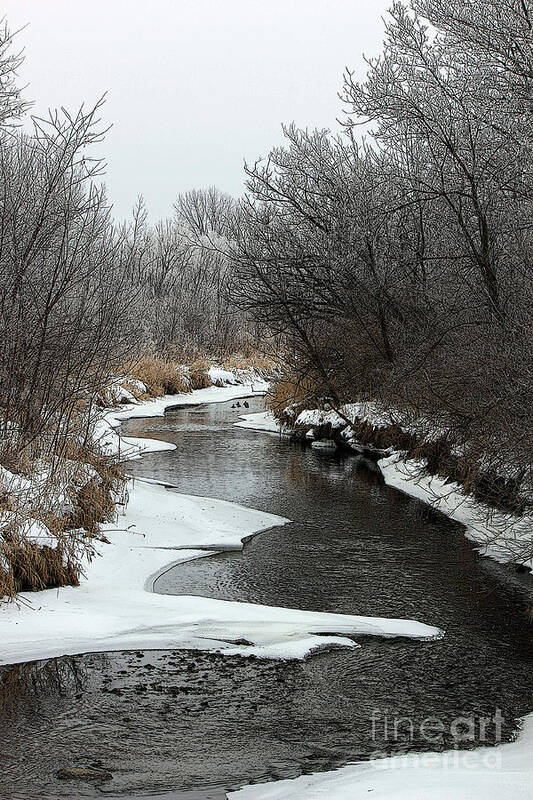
[196, 724]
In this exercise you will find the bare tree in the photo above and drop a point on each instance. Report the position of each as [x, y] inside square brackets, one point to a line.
[12, 106]
[399, 270]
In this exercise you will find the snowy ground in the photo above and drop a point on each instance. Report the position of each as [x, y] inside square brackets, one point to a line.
[115, 607]
[501, 773]
[260, 421]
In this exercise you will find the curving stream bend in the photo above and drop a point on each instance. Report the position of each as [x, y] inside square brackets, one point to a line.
[197, 724]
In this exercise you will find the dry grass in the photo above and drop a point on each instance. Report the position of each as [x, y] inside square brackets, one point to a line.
[167, 374]
[96, 500]
[29, 566]
[198, 374]
[263, 365]
[95, 504]
[134, 390]
[160, 375]
[32, 568]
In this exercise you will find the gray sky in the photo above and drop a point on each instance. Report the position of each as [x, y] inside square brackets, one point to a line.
[194, 86]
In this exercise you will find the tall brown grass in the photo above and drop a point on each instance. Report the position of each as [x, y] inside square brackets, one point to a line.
[32, 568]
[288, 390]
[159, 375]
[198, 374]
[265, 366]
[29, 566]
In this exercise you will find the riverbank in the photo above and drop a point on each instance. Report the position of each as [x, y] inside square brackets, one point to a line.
[501, 536]
[296, 709]
[115, 608]
[61, 485]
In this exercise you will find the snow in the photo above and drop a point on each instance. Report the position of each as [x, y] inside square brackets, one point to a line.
[324, 444]
[79, 473]
[49, 486]
[115, 607]
[221, 377]
[311, 416]
[137, 385]
[260, 421]
[501, 773]
[365, 411]
[116, 393]
[33, 530]
[224, 377]
[10, 482]
[121, 395]
[127, 448]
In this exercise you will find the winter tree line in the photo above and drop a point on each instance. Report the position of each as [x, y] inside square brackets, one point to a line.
[82, 296]
[393, 262]
[86, 304]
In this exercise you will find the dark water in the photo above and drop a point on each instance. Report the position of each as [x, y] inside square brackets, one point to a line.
[198, 724]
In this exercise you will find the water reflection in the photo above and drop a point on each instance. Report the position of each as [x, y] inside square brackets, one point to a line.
[28, 682]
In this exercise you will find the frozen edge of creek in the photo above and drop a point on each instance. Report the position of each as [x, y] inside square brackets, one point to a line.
[115, 607]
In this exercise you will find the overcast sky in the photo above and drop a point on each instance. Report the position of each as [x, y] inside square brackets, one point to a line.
[194, 86]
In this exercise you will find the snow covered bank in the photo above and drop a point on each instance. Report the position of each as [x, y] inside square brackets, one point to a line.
[501, 773]
[261, 421]
[115, 608]
[502, 537]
